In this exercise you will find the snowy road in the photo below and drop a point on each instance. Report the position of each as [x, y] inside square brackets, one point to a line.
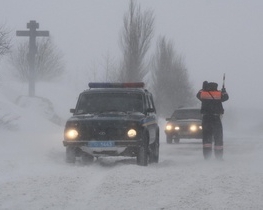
[34, 176]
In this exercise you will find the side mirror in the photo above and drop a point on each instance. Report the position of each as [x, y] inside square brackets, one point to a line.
[72, 111]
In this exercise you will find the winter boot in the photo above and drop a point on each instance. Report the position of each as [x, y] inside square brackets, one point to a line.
[207, 152]
[218, 153]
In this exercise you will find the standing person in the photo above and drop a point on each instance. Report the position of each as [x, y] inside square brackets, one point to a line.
[212, 110]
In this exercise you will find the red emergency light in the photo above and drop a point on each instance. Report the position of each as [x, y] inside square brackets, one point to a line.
[116, 85]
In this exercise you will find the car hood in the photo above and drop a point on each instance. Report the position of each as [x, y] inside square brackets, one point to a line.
[186, 121]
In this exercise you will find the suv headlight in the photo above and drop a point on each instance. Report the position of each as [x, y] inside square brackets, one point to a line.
[131, 133]
[71, 134]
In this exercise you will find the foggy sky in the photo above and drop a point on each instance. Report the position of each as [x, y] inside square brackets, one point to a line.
[214, 37]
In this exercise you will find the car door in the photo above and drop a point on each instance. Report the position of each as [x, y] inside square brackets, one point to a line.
[152, 125]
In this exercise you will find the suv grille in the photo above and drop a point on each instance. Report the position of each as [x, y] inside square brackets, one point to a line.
[104, 131]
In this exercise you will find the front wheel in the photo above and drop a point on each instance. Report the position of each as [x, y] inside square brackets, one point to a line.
[86, 158]
[70, 154]
[169, 140]
[176, 140]
[143, 152]
[142, 156]
[154, 154]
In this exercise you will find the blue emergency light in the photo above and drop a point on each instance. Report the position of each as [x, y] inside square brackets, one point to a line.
[116, 85]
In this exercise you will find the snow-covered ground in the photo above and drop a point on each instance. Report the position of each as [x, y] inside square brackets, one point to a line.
[34, 175]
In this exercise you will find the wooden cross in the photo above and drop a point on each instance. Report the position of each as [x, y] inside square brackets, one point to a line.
[32, 33]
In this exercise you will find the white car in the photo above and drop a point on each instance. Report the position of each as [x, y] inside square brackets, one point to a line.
[185, 123]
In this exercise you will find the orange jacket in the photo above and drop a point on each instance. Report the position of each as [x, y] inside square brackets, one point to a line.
[212, 101]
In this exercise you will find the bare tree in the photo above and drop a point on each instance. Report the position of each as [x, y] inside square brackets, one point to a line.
[135, 42]
[5, 41]
[171, 85]
[49, 63]
[19, 63]
[110, 68]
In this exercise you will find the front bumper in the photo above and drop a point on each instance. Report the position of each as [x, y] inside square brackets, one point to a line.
[185, 135]
[118, 143]
[121, 147]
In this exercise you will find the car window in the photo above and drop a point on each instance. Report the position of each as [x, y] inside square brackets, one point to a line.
[149, 102]
[187, 114]
[106, 102]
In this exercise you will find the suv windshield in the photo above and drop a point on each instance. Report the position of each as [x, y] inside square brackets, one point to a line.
[108, 102]
[187, 114]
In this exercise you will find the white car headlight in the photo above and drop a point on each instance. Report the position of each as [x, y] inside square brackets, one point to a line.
[193, 128]
[71, 134]
[177, 128]
[131, 133]
[168, 127]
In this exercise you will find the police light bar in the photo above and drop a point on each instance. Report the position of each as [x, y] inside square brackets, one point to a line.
[116, 85]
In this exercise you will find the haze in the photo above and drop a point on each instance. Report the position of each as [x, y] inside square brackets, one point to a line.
[214, 37]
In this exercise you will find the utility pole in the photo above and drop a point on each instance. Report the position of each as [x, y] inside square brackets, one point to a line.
[32, 34]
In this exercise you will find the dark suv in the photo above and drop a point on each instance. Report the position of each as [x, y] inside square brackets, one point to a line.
[113, 119]
[185, 123]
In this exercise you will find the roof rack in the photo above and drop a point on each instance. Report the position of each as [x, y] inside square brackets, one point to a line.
[116, 85]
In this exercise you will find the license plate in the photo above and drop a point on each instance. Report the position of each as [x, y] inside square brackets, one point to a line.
[101, 144]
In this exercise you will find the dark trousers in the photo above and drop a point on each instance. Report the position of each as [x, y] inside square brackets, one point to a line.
[212, 131]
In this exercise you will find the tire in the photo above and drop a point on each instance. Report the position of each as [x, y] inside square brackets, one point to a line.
[86, 158]
[142, 156]
[177, 140]
[169, 139]
[70, 155]
[154, 155]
